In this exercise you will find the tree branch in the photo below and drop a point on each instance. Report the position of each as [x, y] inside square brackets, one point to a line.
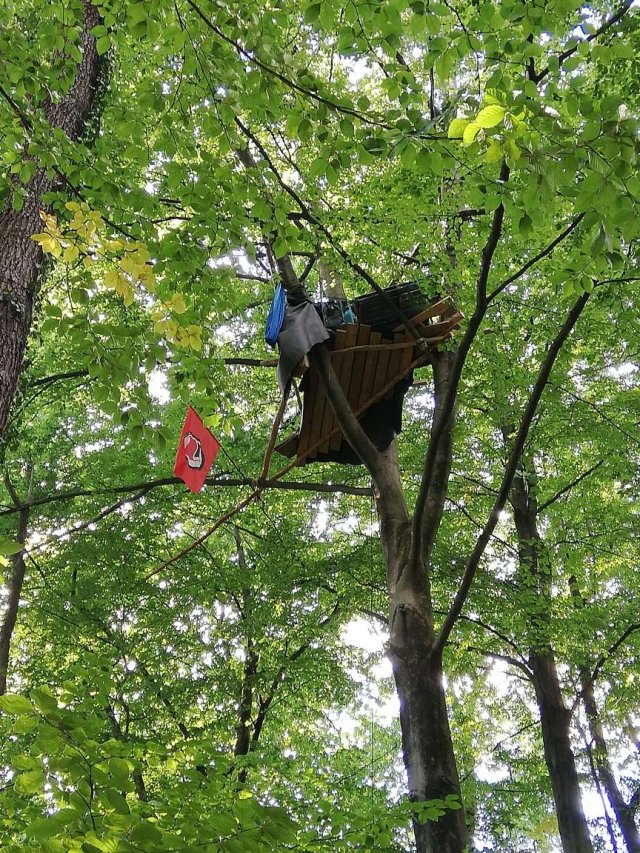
[442, 418]
[510, 470]
[532, 261]
[569, 486]
[144, 488]
[610, 22]
[613, 648]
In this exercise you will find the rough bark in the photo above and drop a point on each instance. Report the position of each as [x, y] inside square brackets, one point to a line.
[555, 717]
[21, 259]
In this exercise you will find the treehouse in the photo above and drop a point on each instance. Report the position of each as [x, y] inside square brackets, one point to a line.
[374, 359]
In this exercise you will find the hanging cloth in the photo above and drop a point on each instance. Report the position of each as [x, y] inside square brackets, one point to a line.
[275, 317]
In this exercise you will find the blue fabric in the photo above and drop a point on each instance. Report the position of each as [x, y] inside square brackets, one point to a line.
[275, 317]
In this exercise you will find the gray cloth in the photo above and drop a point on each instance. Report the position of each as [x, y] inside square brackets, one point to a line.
[301, 330]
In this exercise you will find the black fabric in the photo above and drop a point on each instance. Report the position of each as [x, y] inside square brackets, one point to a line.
[301, 330]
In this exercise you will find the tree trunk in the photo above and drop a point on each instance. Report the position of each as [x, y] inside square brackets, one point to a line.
[21, 259]
[426, 736]
[555, 717]
[11, 613]
[623, 811]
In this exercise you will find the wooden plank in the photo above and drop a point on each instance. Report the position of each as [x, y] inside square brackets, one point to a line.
[382, 369]
[342, 339]
[434, 330]
[383, 392]
[357, 367]
[395, 357]
[433, 310]
[406, 357]
[288, 447]
[370, 365]
[355, 335]
[337, 355]
[343, 370]
[312, 407]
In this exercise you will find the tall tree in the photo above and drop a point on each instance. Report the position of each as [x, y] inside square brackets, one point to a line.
[63, 98]
[473, 146]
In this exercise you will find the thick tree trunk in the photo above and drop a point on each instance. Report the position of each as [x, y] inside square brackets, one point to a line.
[555, 717]
[426, 736]
[21, 259]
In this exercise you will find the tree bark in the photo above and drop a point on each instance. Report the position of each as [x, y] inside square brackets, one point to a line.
[427, 744]
[21, 259]
[623, 811]
[555, 717]
[417, 668]
[15, 585]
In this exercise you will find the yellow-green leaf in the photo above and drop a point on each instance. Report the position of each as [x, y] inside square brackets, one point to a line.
[490, 116]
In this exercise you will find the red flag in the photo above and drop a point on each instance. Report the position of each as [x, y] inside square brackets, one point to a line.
[197, 451]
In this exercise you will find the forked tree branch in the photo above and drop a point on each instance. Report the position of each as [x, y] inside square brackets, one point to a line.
[569, 486]
[534, 260]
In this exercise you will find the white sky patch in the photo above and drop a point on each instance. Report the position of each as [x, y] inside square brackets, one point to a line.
[158, 386]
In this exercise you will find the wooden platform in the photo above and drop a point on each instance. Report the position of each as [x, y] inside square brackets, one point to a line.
[369, 365]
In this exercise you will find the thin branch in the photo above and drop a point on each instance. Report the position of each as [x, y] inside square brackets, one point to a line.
[58, 377]
[534, 260]
[510, 470]
[85, 524]
[251, 57]
[613, 648]
[610, 22]
[569, 486]
[440, 423]
[144, 488]
[355, 266]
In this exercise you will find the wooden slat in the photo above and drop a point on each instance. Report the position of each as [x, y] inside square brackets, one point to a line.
[312, 409]
[434, 330]
[406, 357]
[339, 354]
[395, 357]
[343, 370]
[288, 447]
[370, 364]
[382, 370]
[357, 368]
[342, 339]
[434, 310]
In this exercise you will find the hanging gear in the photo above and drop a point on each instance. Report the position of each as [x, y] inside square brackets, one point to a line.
[275, 317]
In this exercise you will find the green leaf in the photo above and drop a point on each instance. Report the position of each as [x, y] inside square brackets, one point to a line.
[312, 13]
[9, 546]
[42, 828]
[119, 769]
[470, 132]
[30, 782]
[15, 704]
[490, 116]
[103, 44]
[116, 801]
[457, 128]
